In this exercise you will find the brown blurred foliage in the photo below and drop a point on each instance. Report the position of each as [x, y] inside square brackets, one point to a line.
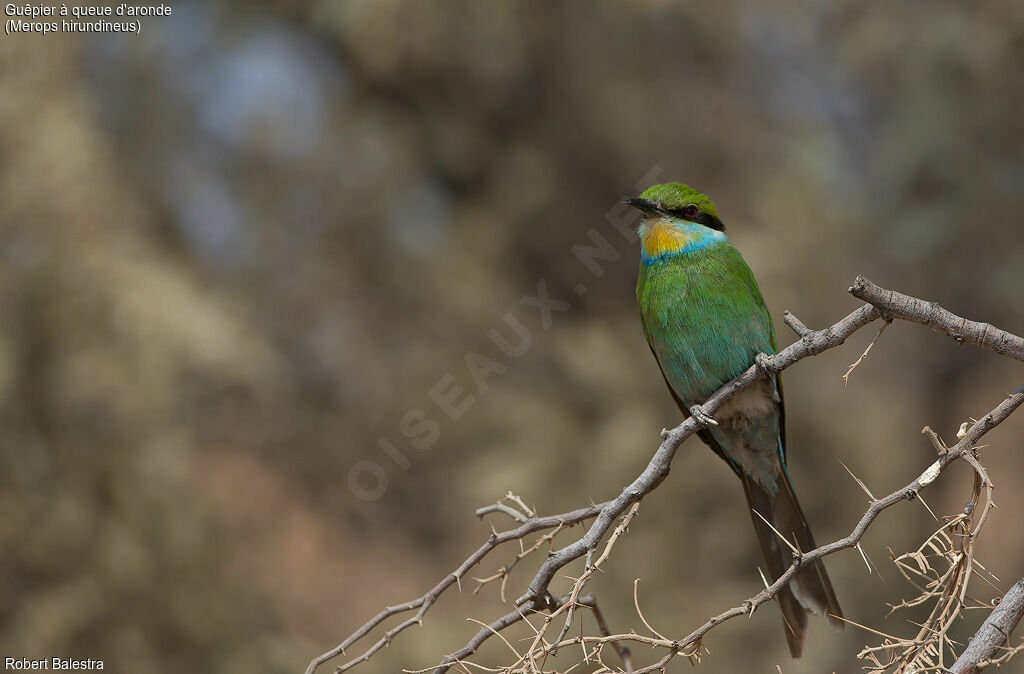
[236, 250]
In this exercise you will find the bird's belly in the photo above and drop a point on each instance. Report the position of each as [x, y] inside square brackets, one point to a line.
[750, 404]
[748, 432]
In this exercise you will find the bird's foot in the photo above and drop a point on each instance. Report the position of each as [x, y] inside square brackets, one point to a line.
[703, 419]
[763, 362]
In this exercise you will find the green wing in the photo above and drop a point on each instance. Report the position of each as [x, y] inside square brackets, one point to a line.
[705, 320]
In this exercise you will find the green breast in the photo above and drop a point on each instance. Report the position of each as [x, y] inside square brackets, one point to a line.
[704, 317]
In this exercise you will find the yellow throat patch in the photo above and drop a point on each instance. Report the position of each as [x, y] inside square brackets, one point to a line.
[658, 237]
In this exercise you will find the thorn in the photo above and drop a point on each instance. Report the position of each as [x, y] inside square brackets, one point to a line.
[796, 551]
[864, 557]
[921, 499]
[862, 485]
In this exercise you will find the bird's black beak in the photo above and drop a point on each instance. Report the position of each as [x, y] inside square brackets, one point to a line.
[645, 206]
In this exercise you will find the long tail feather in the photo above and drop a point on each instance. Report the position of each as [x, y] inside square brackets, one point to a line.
[810, 590]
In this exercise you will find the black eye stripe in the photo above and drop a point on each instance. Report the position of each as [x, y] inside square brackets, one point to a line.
[709, 220]
[701, 217]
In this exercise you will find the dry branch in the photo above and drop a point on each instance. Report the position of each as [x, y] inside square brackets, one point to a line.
[910, 491]
[881, 304]
[994, 633]
[930, 314]
[424, 603]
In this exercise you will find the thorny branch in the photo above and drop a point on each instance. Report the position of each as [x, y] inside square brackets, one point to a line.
[882, 303]
[910, 491]
[930, 314]
[990, 645]
[424, 603]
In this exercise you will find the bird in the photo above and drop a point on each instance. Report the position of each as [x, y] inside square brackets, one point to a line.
[706, 322]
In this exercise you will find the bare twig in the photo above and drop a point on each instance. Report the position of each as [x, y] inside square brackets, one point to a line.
[937, 443]
[502, 508]
[795, 324]
[595, 566]
[514, 616]
[853, 366]
[502, 574]
[427, 600]
[602, 627]
[636, 603]
[592, 566]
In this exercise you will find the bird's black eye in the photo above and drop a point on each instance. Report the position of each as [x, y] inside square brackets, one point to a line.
[690, 211]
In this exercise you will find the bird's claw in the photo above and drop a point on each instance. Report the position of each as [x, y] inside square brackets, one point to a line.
[703, 419]
[763, 362]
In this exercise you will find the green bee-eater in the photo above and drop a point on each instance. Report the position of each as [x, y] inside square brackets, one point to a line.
[706, 322]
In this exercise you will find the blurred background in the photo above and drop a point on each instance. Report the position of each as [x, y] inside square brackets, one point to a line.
[238, 250]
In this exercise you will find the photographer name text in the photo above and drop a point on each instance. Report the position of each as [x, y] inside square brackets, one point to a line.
[55, 664]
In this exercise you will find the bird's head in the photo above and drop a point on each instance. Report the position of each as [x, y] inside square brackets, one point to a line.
[676, 219]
